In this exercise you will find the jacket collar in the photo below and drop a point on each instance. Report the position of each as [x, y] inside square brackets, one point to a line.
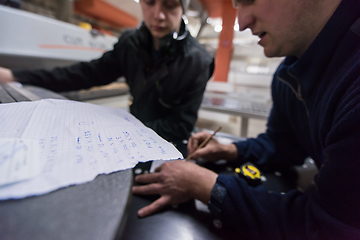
[310, 67]
[170, 43]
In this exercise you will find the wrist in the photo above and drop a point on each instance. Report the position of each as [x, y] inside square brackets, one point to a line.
[202, 185]
[230, 152]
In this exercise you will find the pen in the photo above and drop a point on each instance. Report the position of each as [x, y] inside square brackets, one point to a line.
[202, 144]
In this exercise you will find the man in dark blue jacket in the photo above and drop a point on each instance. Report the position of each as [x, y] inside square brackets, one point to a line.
[315, 113]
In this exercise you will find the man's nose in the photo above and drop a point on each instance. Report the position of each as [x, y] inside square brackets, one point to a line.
[159, 11]
[245, 18]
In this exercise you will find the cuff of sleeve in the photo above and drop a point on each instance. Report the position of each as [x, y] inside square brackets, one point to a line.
[217, 196]
[20, 76]
[241, 149]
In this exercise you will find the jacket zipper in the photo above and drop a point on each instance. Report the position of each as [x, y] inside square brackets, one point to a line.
[297, 93]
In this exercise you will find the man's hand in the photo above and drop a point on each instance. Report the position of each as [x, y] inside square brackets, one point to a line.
[213, 150]
[6, 75]
[176, 182]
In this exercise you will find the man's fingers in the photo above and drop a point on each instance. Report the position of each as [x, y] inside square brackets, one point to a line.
[200, 153]
[158, 169]
[154, 207]
[192, 145]
[147, 178]
[195, 140]
[150, 189]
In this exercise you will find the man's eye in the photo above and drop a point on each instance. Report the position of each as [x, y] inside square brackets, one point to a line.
[242, 2]
[247, 2]
[171, 4]
[149, 2]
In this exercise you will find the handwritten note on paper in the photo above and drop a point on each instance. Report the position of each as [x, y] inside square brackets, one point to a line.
[78, 141]
[19, 160]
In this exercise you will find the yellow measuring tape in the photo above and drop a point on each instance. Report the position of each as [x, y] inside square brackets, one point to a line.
[250, 173]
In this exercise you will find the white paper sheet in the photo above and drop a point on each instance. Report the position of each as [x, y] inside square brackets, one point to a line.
[19, 160]
[77, 142]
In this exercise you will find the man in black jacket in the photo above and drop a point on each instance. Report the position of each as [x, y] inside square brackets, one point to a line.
[165, 68]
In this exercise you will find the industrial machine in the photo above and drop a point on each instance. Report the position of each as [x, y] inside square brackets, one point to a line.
[31, 41]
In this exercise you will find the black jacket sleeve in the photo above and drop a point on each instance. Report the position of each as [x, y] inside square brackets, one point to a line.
[278, 148]
[78, 76]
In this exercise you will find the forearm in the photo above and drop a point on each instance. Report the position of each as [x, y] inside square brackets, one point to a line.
[78, 76]
[272, 151]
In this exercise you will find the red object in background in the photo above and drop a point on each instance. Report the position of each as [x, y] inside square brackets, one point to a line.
[106, 13]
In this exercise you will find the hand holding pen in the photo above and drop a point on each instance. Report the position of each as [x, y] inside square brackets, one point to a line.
[204, 145]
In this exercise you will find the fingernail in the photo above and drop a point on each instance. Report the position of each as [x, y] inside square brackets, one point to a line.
[140, 213]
